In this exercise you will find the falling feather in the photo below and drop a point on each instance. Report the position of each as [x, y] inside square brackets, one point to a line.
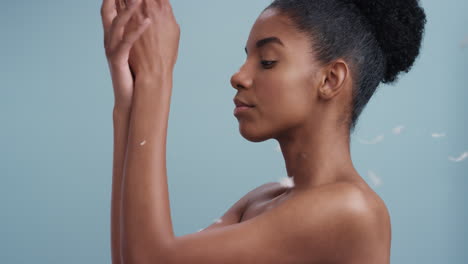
[438, 135]
[376, 181]
[397, 130]
[463, 156]
[217, 220]
[287, 182]
[373, 141]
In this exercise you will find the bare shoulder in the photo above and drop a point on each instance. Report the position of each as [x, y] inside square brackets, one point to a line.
[341, 197]
[333, 223]
[361, 200]
[345, 196]
[351, 219]
[340, 223]
[376, 207]
[367, 213]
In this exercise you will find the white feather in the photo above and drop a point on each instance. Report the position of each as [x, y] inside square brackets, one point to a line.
[287, 182]
[376, 181]
[373, 141]
[438, 135]
[463, 156]
[397, 130]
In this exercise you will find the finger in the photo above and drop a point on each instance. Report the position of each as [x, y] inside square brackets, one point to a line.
[130, 38]
[139, 16]
[121, 5]
[108, 13]
[165, 3]
[166, 6]
[158, 2]
[151, 4]
[118, 25]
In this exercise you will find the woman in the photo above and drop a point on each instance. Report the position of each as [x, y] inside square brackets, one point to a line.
[311, 67]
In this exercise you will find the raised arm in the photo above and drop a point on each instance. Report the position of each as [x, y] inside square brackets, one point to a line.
[121, 119]
[145, 203]
[117, 47]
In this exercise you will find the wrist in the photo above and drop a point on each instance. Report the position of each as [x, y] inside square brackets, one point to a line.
[153, 76]
[156, 81]
[121, 112]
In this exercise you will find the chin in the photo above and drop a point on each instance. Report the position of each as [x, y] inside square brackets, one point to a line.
[253, 135]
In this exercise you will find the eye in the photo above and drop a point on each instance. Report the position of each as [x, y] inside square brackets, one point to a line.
[267, 64]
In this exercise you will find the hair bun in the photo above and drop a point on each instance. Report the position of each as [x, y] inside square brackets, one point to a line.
[398, 26]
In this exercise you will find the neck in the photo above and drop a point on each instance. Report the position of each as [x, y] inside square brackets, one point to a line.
[317, 155]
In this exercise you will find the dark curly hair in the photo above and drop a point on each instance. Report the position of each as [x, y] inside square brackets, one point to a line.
[379, 38]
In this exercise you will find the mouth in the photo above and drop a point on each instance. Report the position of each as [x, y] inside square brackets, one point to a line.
[243, 104]
[240, 103]
[242, 109]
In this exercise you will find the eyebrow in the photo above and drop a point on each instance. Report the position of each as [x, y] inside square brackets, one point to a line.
[265, 41]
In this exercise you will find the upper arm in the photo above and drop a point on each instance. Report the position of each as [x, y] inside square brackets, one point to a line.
[234, 213]
[305, 228]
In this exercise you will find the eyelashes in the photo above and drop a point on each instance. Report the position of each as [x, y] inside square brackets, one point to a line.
[267, 64]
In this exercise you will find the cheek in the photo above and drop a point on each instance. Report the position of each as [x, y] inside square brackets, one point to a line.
[272, 86]
[281, 90]
[283, 101]
[295, 105]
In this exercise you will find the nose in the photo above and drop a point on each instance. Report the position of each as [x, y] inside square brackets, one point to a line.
[241, 79]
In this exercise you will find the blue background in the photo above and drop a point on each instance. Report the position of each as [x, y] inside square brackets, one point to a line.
[56, 132]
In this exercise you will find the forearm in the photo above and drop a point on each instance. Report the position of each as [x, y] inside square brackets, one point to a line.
[121, 120]
[147, 226]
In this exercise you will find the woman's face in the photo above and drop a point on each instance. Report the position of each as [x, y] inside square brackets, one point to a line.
[283, 91]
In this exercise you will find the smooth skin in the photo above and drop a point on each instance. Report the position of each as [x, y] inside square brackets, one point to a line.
[117, 49]
[330, 216]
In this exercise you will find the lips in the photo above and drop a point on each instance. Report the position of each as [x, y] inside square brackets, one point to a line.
[239, 102]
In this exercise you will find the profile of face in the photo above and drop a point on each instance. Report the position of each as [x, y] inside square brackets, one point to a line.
[279, 77]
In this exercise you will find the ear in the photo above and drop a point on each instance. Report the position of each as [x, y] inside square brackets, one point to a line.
[334, 78]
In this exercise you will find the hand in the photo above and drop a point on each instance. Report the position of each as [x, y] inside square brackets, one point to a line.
[118, 40]
[156, 51]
